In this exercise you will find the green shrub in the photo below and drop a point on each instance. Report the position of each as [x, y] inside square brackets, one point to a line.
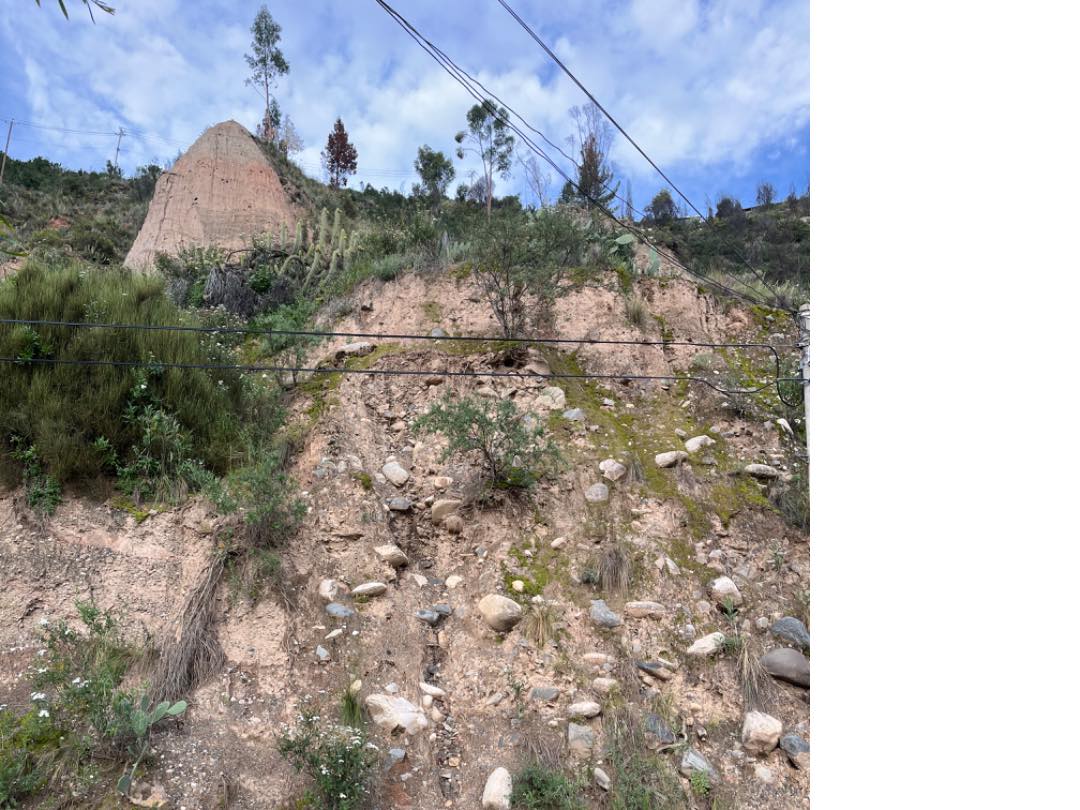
[264, 497]
[514, 456]
[338, 761]
[160, 466]
[63, 410]
[523, 263]
[640, 779]
[537, 787]
[42, 490]
[82, 725]
[390, 267]
[793, 500]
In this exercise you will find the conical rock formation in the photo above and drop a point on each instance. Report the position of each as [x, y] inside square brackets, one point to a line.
[221, 192]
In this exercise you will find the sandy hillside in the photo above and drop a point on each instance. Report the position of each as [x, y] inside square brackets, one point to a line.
[681, 528]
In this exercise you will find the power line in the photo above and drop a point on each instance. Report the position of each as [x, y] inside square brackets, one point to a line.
[593, 99]
[239, 330]
[144, 136]
[453, 70]
[463, 338]
[626, 134]
[668, 378]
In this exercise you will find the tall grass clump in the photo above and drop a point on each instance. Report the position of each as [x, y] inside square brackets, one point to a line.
[140, 423]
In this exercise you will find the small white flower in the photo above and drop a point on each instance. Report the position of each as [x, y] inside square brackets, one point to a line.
[43, 713]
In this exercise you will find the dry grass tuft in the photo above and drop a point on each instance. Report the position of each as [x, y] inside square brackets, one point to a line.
[540, 623]
[636, 312]
[543, 748]
[613, 570]
[754, 681]
[194, 653]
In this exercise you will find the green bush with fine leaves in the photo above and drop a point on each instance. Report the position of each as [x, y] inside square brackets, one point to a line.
[85, 420]
[515, 454]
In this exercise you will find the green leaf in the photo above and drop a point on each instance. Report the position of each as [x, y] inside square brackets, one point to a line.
[178, 708]
[124, 785]
[159, 712]
[625, 239]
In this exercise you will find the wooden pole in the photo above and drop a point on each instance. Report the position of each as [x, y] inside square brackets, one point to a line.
[7, 145]
[116, 157]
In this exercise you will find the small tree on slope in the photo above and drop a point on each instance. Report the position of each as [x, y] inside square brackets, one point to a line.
[490, 139]
[339, 156]
[266, 60]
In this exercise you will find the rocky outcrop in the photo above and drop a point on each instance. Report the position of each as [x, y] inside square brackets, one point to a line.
[221, 192]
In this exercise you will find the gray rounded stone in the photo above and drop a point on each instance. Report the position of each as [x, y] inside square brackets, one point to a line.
[603, 616]
[788, 665]
[791, 629]
[340, 611]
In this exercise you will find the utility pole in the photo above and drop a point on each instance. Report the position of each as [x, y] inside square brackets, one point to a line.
[804, 366]
[7, 145]
[116, 157]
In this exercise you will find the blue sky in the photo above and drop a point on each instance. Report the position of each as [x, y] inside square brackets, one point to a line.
[718, 93]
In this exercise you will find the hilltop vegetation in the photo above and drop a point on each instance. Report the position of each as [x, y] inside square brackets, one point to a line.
[89, 215]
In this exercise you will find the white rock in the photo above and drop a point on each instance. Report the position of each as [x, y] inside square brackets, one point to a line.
[390, 713]
[443, 508]
[497, 790]
[670, 458]
[698, 442]
[761, 471]
[392, 555]
[500, 613]
[723, 589]
[434, 691]
[453, 581]
[331, 589]
[603, 781]
[707, 645]
[612, 469]
[518, 585]
[760, 732]
[354, 350]
[597, 493]
[584, 708]
[603, 686]
[551, 398]
[395, 473]
[370, 589]
[643, 610]
[333, 634]
[558, 542]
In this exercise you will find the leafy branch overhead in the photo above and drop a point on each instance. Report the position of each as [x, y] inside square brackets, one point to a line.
[90, 6]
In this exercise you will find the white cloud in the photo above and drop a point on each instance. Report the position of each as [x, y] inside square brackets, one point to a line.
[705, 87]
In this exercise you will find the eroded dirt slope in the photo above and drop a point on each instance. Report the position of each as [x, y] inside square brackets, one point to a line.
[681, 528]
